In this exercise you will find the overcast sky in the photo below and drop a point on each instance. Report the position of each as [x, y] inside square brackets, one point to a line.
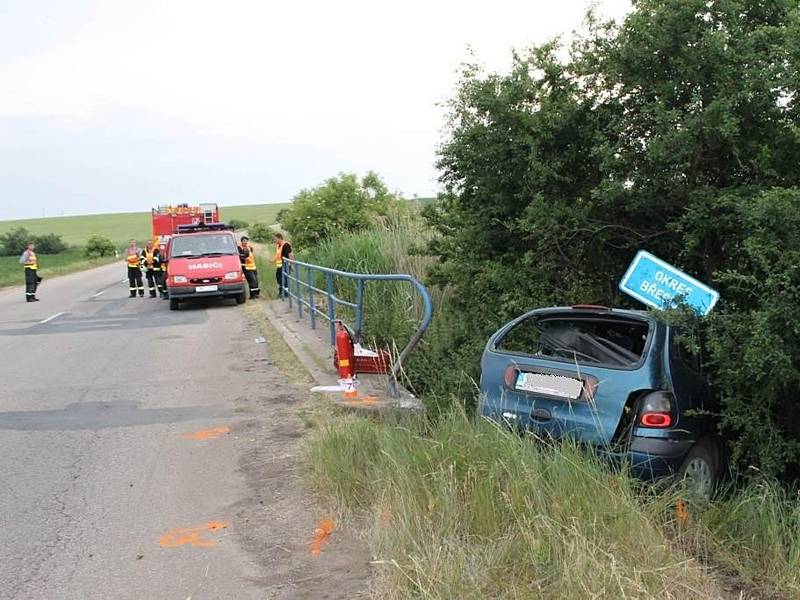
[110, 106]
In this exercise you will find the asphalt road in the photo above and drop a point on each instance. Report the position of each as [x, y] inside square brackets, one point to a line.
[107, 488]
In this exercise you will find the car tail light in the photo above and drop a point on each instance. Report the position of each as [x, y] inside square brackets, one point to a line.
[656, 410]
[590, 387]
[510, 376]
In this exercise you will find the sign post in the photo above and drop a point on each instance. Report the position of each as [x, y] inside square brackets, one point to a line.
[658, 284]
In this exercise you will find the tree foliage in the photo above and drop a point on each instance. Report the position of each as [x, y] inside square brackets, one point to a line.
[340, 204]
[677, 131]
[237, 224]
[260, 232]
[14, 241]
[98, 245]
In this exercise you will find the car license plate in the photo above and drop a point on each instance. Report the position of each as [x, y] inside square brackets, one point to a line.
[551, 385]
[206, 288]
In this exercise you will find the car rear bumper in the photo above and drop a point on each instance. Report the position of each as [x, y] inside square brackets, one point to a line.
[651, 458]
[226, 290]
[647, 458]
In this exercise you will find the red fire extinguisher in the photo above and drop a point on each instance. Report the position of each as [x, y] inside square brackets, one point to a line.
[345, 353]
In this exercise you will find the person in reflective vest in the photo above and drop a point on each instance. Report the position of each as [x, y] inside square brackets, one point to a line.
[133, 258]
[151, 261]
[162, 279]
[247, 254]
[283, 250]
[31, 265]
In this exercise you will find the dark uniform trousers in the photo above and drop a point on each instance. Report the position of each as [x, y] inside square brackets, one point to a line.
[135, 281]
[31, 282]
[252, 281]
[153, 276]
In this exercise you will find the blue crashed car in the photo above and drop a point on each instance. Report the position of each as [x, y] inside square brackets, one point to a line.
[618, 380]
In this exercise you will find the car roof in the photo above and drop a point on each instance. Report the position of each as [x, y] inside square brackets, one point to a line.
[590, 309]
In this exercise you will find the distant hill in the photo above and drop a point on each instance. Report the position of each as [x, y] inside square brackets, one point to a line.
[121, 227]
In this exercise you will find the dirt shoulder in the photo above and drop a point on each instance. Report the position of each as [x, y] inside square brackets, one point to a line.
[278, 520]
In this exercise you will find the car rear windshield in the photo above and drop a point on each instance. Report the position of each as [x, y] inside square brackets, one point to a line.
[203, 245]
[612, 342]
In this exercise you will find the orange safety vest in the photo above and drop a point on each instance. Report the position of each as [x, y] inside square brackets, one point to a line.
[148, 258]
[132, 259]
[279, 254]
[31, 262]
[250, 261]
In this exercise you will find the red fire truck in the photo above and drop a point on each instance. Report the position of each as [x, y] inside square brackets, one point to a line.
[166, 220]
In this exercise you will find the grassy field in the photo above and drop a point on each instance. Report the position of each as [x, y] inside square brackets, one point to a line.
[50, 266]
[120, 227]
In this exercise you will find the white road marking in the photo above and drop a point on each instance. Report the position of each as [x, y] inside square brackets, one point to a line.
[99, 294]
[50, 318]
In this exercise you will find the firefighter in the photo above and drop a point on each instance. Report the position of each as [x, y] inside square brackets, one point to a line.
[247, 254]
[133, 258]
[283, 250]
[151, 261]
[31, 265]
[162, 279]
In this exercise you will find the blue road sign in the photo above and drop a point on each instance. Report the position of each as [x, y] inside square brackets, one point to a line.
[660, 285]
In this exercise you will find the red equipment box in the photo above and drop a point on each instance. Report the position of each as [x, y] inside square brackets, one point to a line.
[377, 362]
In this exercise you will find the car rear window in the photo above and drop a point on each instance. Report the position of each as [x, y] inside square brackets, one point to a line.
[600, 341]
[202, 245]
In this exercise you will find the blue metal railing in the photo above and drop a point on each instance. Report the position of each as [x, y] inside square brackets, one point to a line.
[298, 284]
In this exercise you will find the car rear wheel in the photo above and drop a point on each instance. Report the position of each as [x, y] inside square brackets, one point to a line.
[173, 304]
[699, 471]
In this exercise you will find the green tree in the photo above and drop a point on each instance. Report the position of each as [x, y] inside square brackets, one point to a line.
[237, 224]
[14, 241]
[50, 243]
[341, 204]
[261, 232]
[99, 245]
[664, 132]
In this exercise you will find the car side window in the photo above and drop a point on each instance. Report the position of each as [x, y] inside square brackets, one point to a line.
[523, 338]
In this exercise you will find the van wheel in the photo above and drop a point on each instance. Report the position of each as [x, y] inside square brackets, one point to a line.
[241, 298]
[173, 304]
[700, 472]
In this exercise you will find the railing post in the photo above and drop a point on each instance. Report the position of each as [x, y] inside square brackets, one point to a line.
[331, 307]
[310, 281]
[297, 292]
[359, 307]
[288, 289]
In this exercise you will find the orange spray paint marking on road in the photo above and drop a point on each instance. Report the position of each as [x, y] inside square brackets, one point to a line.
[207, 434]
[321, 535]
[193, 536]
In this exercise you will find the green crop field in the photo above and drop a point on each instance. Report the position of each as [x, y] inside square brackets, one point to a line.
[120, 227]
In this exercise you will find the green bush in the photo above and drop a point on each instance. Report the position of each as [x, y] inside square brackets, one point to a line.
[50, 243]
[98, 245]
[14, 241]
[238, 224]
[260, 232]
[341, 204]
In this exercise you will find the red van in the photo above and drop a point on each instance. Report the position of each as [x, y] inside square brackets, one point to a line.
[203, 262]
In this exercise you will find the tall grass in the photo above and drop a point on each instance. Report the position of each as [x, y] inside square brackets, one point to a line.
[464, 509]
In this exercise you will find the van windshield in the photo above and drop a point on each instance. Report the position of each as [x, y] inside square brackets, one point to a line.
[616, 343]
[202, 245]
